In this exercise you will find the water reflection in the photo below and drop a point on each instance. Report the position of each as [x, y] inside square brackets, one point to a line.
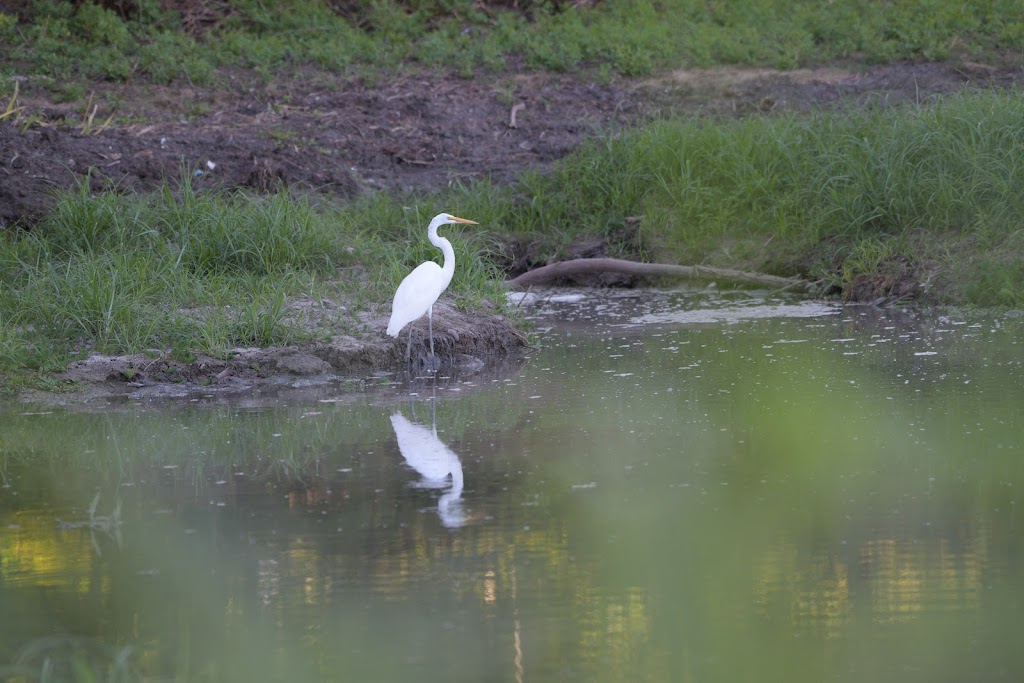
[434, 461]
[798, 498]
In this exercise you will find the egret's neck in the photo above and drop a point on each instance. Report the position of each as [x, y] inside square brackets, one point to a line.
[457, 480]
[446, 248]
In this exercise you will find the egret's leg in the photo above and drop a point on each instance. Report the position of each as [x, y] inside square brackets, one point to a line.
[408, 347]
[430, 326]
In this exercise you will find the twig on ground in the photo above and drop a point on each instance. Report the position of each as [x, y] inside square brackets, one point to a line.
[12, 108]
[512, 114]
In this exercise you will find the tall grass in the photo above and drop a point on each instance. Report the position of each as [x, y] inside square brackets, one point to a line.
[183, 272]
[937, 185]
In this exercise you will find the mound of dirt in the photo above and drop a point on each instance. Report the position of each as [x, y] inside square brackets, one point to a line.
[464, 343]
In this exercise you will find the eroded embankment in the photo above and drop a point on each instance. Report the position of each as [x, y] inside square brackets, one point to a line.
[465, 342]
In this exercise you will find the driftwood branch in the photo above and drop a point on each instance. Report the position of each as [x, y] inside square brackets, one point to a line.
[590, 266]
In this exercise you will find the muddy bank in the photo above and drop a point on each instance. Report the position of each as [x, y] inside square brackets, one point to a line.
[335, 136]
[339, 136]
[464, 344]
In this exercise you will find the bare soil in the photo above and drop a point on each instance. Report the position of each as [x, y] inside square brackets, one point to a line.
[465, 343]
[339, 136]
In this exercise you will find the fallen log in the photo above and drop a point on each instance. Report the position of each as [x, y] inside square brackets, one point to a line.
[591, 266]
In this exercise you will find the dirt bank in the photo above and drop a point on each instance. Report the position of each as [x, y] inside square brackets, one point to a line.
[464, 344]
[340, 136]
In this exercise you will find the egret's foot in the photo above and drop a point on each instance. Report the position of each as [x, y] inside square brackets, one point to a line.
[432, 363]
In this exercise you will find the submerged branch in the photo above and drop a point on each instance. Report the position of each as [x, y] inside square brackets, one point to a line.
[590, 266]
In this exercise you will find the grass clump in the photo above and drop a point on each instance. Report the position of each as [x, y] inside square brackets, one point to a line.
[931, 191]
[182, 272]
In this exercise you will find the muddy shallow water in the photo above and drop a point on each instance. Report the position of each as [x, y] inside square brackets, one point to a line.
[675, 485]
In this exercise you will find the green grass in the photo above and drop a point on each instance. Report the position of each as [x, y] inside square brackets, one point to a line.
[60, 41]
[182, 273]
[933, 188]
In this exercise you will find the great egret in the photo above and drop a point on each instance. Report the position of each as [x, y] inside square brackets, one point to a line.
[420, 288]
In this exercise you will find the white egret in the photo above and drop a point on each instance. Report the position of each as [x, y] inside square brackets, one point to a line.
[421, 288]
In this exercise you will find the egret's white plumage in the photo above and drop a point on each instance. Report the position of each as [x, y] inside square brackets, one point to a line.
[421, 288]
[434, 461]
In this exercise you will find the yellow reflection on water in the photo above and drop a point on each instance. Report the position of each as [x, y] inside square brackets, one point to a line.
[627, 630]
[34, 550]
[898, 579]
[814, 594]
[907, 578]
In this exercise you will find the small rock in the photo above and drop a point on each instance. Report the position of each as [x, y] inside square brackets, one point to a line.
[467, 363]
[301, 363]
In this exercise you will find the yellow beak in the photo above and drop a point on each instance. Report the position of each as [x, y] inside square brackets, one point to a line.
[464, 220]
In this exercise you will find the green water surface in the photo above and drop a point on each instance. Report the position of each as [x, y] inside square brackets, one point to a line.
[673, 487]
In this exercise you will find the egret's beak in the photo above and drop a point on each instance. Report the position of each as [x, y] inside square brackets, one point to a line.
[464, 220]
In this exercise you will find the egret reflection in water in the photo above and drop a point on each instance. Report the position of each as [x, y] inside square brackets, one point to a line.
[434, 461]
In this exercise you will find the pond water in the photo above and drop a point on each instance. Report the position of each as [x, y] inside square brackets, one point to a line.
[675, 486]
